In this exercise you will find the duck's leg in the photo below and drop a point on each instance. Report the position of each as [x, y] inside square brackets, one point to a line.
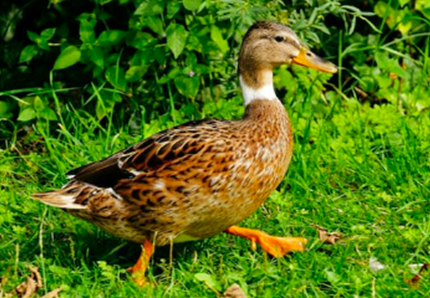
[275, 246]
[138, 270]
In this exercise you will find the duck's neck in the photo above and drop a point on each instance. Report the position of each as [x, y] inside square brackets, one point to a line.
[256, 84]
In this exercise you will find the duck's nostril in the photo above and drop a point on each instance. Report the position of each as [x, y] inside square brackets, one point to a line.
[309, 54]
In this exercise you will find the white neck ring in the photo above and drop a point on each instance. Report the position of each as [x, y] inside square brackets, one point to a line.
[266, 92]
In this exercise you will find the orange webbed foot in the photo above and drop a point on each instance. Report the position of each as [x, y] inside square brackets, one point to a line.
[275, 246]
[139, 269]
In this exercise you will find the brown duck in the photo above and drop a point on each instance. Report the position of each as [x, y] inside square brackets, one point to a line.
[201, 178]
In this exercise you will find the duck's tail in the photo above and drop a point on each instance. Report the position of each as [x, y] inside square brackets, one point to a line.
[64, 198]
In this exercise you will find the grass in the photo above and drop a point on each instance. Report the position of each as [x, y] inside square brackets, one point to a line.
[359, 168]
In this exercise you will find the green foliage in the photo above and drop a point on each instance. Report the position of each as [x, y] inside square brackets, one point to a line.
[144, 50]
[404, 15]
[68, 57]
[84, 79]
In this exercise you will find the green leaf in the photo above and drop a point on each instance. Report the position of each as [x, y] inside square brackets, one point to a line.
[86, 31]
[141, 57]
[4, 109]
[422, 5]
[192, 4]
[34, 37]
[150, 8]
[216, 36]
[155, 24]
[47, 34]
[382, 8]
[173, 73]
[116, 76]
[406, 25]
[332, 277]
[176, 38]
[68, 57]
[142, 40]
[403, 2]
[383, 61]
[28, 53]
[103, 15]
[172, 9]
[48, 114]
[135, 73]
[188, 86]
[97, 57]
[27, 114]
[111, 37]
[38, 104]
[209, 280]
[41, 42]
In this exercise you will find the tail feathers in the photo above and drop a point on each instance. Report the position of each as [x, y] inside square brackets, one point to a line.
[58, 199]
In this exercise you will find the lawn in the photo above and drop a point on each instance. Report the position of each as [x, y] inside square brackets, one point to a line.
[361, 168]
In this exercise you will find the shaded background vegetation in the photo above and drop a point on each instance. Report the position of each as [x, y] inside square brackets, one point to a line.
[146, 57]
[82, 79]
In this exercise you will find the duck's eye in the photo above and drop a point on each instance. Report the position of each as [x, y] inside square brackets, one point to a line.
[279, 38]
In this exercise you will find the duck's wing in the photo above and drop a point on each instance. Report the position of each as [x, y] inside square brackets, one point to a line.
[151, 154]
[103, 173]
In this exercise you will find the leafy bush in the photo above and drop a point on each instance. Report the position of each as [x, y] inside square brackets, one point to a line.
[133, 56]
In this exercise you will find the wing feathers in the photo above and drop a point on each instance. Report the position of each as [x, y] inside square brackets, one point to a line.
[151, 154]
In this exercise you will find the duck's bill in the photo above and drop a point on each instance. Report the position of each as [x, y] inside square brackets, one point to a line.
[309, 59]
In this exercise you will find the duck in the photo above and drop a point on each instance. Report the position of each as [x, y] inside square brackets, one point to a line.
[201, 178]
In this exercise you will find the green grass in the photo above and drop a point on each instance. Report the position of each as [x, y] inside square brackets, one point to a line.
[361, 167]
[371, 187]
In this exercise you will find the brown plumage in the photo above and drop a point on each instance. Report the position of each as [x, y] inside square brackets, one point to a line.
[203, 177]
[186, 179]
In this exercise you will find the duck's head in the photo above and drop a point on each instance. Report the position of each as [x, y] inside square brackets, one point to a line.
[265, 46]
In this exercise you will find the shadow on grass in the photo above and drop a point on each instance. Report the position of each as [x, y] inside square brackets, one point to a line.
[89, 245]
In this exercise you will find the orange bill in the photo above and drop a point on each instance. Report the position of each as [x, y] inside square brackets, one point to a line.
[309, 59]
